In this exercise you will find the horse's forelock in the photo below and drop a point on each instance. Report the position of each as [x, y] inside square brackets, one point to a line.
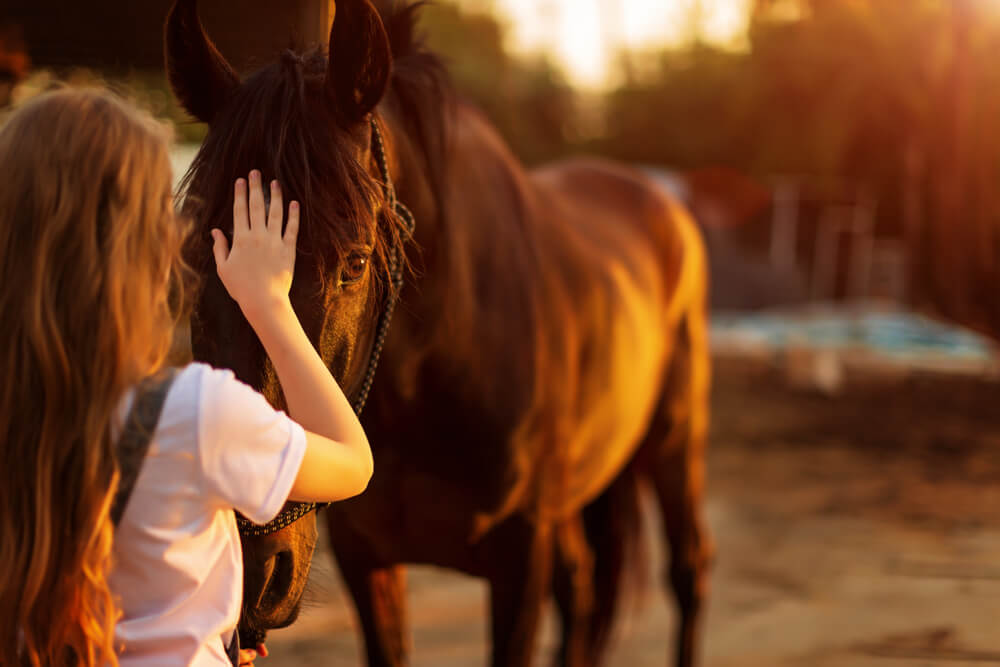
[279, 122]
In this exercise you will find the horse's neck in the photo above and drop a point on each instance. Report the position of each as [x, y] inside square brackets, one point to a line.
[478, 215]
[411, 172]
[477, 254]
[483, 185]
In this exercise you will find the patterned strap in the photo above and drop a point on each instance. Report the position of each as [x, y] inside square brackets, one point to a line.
[233, 650]
[137, 434]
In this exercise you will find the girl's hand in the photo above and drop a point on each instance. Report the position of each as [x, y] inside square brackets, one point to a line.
[257, 271]
[248, 655]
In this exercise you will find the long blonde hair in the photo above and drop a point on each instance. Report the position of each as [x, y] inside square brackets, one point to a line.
[89, 264]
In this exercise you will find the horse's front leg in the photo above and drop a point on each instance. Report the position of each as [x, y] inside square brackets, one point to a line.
[519, 570]
[379, 593]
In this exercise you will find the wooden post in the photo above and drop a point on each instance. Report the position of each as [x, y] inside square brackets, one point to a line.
[862, 228]
[914, 218]
[889, 271]
[824, 274]
[784, 226]
[949, 248]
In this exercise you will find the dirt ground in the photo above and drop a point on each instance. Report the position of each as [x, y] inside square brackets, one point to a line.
[862, 529]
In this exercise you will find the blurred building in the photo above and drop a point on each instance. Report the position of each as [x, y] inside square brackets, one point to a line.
[127, 34]
[14, 61]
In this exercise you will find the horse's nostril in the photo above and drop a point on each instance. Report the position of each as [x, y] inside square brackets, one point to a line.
[267, 571]
[278, 577]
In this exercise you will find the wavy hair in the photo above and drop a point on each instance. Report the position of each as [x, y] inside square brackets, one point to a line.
[90, 266]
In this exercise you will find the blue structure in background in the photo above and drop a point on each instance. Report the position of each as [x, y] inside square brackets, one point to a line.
[896, 334]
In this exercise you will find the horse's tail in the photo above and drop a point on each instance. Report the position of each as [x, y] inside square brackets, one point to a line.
[614, 529]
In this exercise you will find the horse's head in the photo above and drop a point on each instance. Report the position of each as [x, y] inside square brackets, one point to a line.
[306, 121]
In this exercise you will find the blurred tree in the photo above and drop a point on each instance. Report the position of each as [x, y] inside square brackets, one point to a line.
[529, 100]
[887, 97]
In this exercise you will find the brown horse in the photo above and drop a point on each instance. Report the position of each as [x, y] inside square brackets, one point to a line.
[549, 351]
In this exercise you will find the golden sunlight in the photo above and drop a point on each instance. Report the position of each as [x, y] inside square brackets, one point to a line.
[584, 36]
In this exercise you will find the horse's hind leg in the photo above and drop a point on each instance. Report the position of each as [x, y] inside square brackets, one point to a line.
[673, 455]
[680, 498]
[379, 594]
[609, 548]
[573, 585]
[517, 555]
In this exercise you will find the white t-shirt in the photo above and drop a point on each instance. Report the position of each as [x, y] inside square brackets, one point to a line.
[178, 567]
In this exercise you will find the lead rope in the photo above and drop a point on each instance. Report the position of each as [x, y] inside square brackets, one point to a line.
[298, 510]
[395, 264]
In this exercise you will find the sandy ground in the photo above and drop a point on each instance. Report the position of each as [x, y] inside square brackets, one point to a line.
[858, 530]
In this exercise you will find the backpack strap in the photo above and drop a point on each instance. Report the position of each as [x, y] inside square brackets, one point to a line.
[233, 650]
[138, 434]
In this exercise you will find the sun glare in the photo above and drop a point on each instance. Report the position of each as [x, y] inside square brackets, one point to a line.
[584, 36]
[725, 21]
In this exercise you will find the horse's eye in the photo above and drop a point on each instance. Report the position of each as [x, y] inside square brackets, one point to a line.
[354, 269]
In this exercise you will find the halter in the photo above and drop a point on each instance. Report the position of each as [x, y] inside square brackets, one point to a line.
[296, 511]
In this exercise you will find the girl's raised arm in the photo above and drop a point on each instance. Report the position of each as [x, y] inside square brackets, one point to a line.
[257, 271]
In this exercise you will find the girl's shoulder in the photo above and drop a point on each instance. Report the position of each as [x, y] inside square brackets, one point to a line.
[202, 403]
[203, 386]
[213, 400]
[248, 452]
[183, 404]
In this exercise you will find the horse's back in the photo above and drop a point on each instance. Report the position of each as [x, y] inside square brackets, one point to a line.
[629, 261]
[603, 195]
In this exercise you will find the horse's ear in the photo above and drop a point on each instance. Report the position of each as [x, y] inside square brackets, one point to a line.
[360, 59]
[201, 78]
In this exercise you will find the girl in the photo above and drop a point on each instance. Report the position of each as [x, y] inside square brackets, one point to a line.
[89, 261]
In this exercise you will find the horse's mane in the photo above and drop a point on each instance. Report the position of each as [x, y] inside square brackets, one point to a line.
[420, 87]
[277, 123]
[420, 91]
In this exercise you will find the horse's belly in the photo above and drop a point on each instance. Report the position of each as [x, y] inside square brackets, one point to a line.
[619, 391]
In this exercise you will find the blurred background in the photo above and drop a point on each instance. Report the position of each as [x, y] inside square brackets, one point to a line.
[842, 158]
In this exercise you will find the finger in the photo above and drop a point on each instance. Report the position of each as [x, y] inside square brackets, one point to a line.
[292, 228]
[241, 221]
[277, 210]
[220, 248]
[258, 210]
